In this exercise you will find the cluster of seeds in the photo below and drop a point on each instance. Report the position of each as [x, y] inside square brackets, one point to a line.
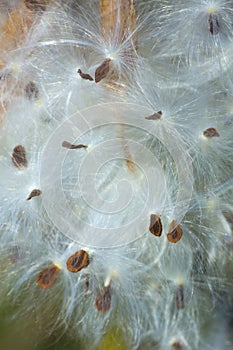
[165, 103]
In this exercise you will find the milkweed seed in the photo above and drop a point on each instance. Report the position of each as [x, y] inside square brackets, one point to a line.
[155, 116]
[84, 75]
[19, 158]
[175, 232]
[103, 70]
[68, 145]
[211, 132]
[36, 5]
[103, 299]
[31, 91]
[155, 225]
[87, 283]
[48, 276]
[177, 346]
[180, 298]
[34, 193]
[15, 255]
[213, 24]
[78, 261]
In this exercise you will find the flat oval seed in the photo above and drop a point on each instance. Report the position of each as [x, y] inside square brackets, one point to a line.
[155, 225]
[84, 75]
[211, 132]
[180, 298]
[177, 346]
[103, 300]
[155, 116]
[78, 261]
[213, 24]
[103, 70]
[34, 193]
[87, 284]
[175, 232]
[48, 276]
[19, 158]
[31, 91]
[36, 5]
[69, 145]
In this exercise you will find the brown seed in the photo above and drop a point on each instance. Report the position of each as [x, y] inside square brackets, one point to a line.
[180, 297]
[177, 346]
[103, 70]
[211, 132]
[175, 232]
[19, 158]
[155, 225]
[155, 116]
[48, 276]
[36, 5]
[31, 91]
[69, 145]
[34, 193]
[78, 261]
[103, 299]
[213, 24]
[87, 283]
[84, 75]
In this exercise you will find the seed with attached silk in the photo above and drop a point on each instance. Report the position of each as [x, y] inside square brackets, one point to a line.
[19, 158]
[175, 232]
[213, 24]
[84, 75]
[211, 132]
[103, 299]
[48, 276]
[177, 346]
[180, 297]
[155, 225]
[36, 5]
[103, 70]
[69, 145]
[155, 116]
[78, 261]
[31, 91]
[34, 193]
